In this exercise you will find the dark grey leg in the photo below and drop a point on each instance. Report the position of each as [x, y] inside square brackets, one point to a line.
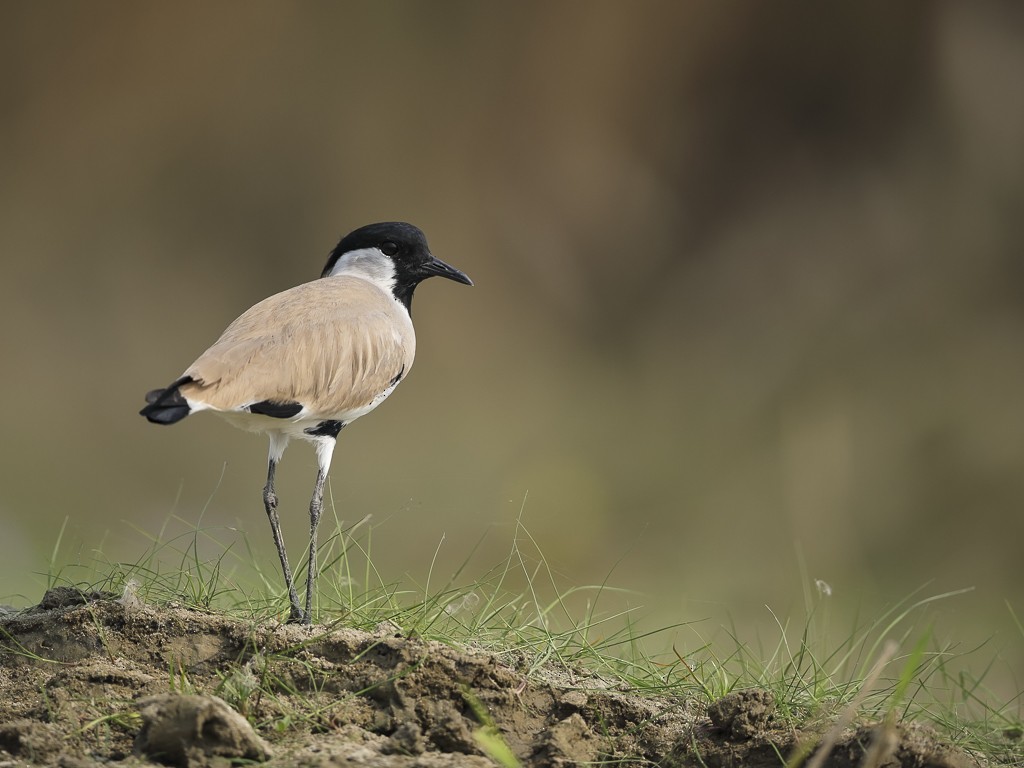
[270, 502]
[316, 507]
[325, 434]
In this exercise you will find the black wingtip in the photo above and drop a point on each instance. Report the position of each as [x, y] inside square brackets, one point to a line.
[166, 406]
[165, 414]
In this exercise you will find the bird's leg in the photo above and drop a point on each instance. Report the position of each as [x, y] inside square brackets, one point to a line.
[316, 507]
[270, 502]
[324, 450]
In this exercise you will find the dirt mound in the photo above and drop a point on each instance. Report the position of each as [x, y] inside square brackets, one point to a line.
[86, 679]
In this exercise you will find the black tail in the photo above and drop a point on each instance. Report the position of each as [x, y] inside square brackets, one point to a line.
[166, 406]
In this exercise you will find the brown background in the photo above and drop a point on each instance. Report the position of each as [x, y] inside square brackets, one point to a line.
[749, 307]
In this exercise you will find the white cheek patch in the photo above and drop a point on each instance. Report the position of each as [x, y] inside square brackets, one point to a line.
[369, 264]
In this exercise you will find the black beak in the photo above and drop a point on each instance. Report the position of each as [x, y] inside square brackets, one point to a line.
[437, 267]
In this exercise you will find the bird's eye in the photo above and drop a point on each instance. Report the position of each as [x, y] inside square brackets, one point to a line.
[389, 248]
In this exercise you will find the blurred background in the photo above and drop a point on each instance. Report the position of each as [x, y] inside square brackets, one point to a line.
[749, 303]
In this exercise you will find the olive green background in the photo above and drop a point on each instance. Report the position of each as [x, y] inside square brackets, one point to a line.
[749, 307]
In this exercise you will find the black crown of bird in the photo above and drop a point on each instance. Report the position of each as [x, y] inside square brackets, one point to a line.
[308, 361]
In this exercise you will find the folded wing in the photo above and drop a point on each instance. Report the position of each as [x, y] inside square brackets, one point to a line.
[332, 346]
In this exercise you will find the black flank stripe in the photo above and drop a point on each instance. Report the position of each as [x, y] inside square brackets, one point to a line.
[325, 429]
[275, 410]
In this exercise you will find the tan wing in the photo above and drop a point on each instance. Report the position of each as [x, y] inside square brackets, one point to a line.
[332, 345]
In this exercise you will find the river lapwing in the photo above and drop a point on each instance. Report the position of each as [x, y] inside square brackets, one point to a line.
[310, 360]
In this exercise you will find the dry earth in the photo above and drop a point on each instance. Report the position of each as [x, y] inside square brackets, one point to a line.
[87, 680]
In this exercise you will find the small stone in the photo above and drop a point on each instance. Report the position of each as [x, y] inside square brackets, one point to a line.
[743, 714]
[570, 742]
[406, 740]
[68, 597]
[574, 699]
[28, 740]
[387, 628]
[186, 731]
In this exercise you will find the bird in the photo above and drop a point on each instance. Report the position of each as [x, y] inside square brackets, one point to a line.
[308, 361]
